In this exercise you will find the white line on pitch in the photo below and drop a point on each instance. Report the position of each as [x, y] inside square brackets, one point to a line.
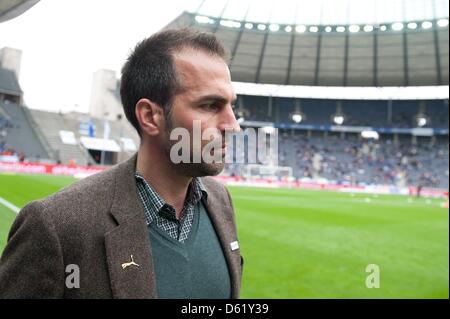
[11, 206]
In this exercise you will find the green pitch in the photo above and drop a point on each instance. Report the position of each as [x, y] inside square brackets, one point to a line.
[307, 244]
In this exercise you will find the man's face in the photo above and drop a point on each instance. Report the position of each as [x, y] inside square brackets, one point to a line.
[207, 96]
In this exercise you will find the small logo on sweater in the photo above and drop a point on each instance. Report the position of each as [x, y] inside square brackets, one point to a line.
[129, 264]
[234, 245]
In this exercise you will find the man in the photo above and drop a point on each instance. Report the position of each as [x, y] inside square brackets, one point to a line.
[149, 227]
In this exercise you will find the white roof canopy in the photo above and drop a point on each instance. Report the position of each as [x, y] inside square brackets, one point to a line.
[322, 12]
[100, 144]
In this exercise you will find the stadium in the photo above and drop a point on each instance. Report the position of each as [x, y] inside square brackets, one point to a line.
[356, 96]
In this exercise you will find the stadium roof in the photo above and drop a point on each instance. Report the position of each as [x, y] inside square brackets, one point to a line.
[8, 83]
[12, 8]
[322, 12]
[333, 51]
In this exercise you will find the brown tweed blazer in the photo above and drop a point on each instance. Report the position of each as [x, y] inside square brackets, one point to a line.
[97, 223]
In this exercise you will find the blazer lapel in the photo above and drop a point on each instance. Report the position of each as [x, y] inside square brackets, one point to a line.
[129, 238]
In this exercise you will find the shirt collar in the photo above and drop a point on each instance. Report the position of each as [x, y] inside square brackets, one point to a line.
[155, 204]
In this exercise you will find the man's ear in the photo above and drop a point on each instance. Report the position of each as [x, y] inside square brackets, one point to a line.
[150, 116]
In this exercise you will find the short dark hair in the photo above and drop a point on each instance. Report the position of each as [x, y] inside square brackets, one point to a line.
[150, 72]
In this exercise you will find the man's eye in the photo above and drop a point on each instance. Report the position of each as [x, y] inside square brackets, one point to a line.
[210, 106]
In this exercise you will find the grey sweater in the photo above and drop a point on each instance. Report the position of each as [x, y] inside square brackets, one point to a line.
[192, 269]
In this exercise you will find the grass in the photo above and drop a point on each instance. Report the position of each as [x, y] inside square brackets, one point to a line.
[21, 189]
[309, 244]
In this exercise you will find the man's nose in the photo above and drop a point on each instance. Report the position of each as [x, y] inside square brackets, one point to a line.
[228, 121]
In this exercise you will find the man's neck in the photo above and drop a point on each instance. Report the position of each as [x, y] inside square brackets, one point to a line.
[171, 186]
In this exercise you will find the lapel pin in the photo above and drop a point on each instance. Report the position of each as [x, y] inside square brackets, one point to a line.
[234, 245]
[131, 263]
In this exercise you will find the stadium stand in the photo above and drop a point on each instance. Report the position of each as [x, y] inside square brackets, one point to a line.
[316, 152]
[357, 112]
[353, 160]
[9, 86]
[51, 124]
[21, 135]
[5, 125]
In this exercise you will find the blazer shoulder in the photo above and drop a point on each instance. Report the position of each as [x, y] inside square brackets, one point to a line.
[217, 190]
[211, 183]
[89, 188]
[85, 199]
[215, 187]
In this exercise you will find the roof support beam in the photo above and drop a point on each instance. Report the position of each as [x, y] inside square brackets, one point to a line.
[437, 51]
[405, 59]
[261, 57]
[216, 27]
[291, 55]
[375, 58]
[239, 37]
[347, 40]
[192, 23]
[437, 48]
[263, 50]
[319, 49]
[236, 45]
[291, 48]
